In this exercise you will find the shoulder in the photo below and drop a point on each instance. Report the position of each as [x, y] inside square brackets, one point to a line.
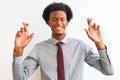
[43, 42]
[74, 40]
[77, 42]
[40, 46]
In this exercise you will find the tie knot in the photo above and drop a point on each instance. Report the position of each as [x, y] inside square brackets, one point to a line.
[59, 44]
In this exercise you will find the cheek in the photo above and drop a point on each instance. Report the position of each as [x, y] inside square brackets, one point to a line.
[51, 24]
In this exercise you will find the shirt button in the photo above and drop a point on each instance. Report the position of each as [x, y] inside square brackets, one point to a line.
[16, 60]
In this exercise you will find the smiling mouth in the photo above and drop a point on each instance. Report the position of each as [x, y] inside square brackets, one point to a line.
[58, 28]
[58, 31]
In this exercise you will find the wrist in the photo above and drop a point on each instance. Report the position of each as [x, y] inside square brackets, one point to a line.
[17, 52]
[100, 46]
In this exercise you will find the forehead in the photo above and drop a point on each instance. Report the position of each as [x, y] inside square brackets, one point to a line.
[57, 14]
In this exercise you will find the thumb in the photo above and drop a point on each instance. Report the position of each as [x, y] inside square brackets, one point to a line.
[86, 30]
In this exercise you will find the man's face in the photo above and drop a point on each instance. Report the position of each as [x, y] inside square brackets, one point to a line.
[58, 23]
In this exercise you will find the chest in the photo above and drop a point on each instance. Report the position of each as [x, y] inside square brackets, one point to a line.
[48, 57]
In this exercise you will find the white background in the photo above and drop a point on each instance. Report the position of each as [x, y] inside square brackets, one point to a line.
[14, 12]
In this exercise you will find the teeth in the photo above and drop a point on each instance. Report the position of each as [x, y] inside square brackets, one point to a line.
[58, 27]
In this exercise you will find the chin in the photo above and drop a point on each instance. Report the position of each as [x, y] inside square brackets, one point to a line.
[59, 34]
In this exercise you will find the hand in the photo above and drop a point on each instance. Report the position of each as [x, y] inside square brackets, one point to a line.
[94, 33]
[22, 39]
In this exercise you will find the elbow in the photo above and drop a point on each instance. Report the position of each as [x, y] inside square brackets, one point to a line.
[108, 73]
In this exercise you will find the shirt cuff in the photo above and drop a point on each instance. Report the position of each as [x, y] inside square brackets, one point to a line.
[18, 59]
[103, 53]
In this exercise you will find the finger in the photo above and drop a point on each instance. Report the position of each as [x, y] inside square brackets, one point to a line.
[18, 34]
[21, 29]
[89, 20]
[25, 26]
[94, 26]
[30, 37]
[98, 27]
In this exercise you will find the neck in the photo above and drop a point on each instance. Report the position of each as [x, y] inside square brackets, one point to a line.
[58, 36]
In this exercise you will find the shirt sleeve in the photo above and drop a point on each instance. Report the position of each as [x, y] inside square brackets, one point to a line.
[101, 62]
[23, 68]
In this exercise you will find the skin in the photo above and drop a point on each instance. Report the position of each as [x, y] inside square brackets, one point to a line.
[95, 34]
[58, 24]
[22, 39]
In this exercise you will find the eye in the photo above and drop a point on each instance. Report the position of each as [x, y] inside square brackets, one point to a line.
[54, 19]
[62, 19]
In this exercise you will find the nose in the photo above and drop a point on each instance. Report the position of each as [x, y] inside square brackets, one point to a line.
[59, 22]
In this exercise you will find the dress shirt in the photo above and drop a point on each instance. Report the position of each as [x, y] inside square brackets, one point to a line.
[44, 54]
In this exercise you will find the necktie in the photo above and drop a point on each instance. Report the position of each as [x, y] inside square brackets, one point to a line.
[60, 62]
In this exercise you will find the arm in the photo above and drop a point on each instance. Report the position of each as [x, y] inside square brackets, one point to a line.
[22, 69]
[101, 62]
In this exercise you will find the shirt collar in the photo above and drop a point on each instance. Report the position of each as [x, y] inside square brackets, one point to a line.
[55, 41]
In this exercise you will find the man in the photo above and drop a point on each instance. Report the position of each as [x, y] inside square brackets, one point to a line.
[44, 54]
